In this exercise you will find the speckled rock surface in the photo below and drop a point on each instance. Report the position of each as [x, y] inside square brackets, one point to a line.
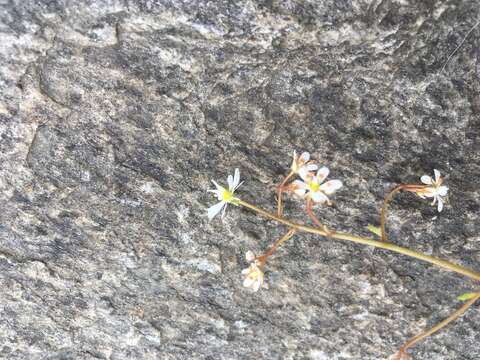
[115, 115]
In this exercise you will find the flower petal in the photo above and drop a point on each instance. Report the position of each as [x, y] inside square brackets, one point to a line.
[250, 256]
[215, 209]
[299, 188]
[304, 173]
[442, 190]
[221, 188]
[257, 285]
[319, 197]
[217, 193]
[236, 179]
[331, 186]
[322, 174]
[224, 209]
[248, 282]
[312, 167]
[426, 180]
[230, 182]
[429, 192]
[304, 157]
[440, 205]
[300, 192]
[437, 175]
[236, 187]
[299, 184]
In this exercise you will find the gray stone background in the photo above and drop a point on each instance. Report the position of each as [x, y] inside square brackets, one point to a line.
[115, 115]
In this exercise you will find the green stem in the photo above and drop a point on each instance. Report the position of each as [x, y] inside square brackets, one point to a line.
[383, 213]
[437, 327]
[365, 241]
[388, 198]
[280, 193]
[277, 243]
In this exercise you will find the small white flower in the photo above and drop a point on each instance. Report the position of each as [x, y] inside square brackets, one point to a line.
[250, 256]
[302, 164]
[435, 189]
[225, 196]
[253, 277]
[312, 188]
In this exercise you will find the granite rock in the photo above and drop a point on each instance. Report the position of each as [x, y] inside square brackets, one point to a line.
[115, 115]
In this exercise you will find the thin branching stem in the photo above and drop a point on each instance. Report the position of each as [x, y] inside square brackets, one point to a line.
[365, 241]
[312, 215]
[386, 201]
[317, 222]
[281, 189]
[320, 229]
[383, 213]
[277, 243]
[402, 352]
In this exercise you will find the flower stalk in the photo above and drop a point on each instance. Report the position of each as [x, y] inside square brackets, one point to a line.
[365, 241]
[431, 187]
[312, 189]
[280, 191]
[402, 353]
[274, 247]
[383, 213]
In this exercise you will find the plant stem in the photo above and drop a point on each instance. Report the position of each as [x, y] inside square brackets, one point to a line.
[383, 213]
[388, 198]
[280, 193]
[315, 219]
[277, 243]
[437, 327]
[365, 241]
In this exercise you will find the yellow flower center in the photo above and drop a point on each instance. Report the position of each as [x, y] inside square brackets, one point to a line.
[313, 186]
[227, 195]
[436, 184]
[255, 273]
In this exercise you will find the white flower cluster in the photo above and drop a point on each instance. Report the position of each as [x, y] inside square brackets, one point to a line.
[311, 187]
[314, 190]
[254, 273]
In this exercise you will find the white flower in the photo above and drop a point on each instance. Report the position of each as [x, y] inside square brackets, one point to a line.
[225, 196]
[302, 164]
[250, 256]
[435, 189]
[253, 277]
[312, 188]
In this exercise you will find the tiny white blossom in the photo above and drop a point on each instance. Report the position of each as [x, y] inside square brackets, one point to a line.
[253, 277]
[302, 164]
[312, 188]
[250, 256]
[224, 195]
[434, 189]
